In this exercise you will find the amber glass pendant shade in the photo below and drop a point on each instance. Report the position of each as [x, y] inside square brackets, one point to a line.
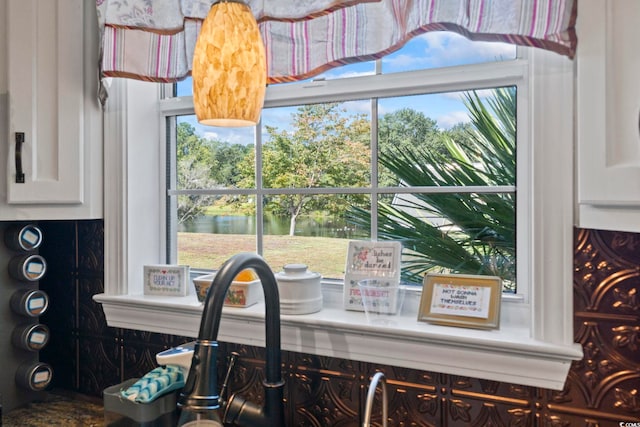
[229, 67]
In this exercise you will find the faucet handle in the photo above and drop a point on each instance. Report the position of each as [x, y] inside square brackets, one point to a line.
[232, 361]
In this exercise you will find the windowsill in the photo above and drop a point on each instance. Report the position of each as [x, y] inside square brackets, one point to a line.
[507, 354]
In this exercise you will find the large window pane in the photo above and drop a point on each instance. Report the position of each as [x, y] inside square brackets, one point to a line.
[453, 233]
[317, 146]
[208, 158]
[448, 139]
[472, 233]
[317, 236]
[224, 228]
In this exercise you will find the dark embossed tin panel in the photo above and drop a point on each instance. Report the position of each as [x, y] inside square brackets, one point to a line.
[602, 390]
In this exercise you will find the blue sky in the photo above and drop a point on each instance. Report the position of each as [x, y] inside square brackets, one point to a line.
[429, 50]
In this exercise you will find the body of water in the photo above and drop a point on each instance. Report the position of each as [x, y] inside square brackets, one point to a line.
[273, 225]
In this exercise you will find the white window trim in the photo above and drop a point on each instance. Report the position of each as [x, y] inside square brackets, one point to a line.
[534, 345]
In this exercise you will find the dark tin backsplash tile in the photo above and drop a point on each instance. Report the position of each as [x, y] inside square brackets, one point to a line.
[601, 389]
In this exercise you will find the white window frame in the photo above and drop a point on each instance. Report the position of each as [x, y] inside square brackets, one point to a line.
[534, 345]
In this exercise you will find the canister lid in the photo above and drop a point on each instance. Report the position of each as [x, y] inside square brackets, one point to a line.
[296, 272]
[34, 377]
[29, 302]
[29, 267]
[23, 237]
[31, 337]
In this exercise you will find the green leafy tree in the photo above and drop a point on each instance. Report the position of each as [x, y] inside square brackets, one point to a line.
[193, 155]
[193, 175]
[404, 130]
[205, 164]
[324, 148]
[462, 133]
[225, 162]
[190, 145]
[408, 128]
[461, 233]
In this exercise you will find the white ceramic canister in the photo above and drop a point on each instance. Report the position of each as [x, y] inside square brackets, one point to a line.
[300, 290]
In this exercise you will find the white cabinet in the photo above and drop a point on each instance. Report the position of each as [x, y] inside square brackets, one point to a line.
[50, 64]
[608, 114]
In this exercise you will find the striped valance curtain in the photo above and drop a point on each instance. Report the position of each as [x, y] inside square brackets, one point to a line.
[154, 39]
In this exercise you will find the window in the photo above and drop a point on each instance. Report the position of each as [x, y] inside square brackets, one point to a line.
[534, 345]
[365, 164]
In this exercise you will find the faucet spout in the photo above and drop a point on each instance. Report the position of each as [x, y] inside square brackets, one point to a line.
[200, 394]
[371, 394]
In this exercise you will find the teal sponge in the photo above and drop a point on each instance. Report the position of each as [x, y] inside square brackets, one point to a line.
[154, 384]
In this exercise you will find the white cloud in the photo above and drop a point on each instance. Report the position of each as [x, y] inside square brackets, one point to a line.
[211, 135]
[361, 106]
[453, 118]
[447, 48]
[404, 61]
[241, 135]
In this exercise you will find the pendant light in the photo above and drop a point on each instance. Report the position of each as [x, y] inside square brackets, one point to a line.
[229, 67]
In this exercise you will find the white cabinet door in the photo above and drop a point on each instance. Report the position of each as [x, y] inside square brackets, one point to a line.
[608, 106]
[48, 99]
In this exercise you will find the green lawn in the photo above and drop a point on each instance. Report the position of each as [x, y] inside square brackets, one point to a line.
[325, 255]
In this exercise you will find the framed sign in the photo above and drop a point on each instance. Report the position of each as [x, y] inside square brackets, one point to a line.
[369, 260]
[464, 300]
[166, 280]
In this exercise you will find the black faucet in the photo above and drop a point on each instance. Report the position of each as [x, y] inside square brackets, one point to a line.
[200, 395]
